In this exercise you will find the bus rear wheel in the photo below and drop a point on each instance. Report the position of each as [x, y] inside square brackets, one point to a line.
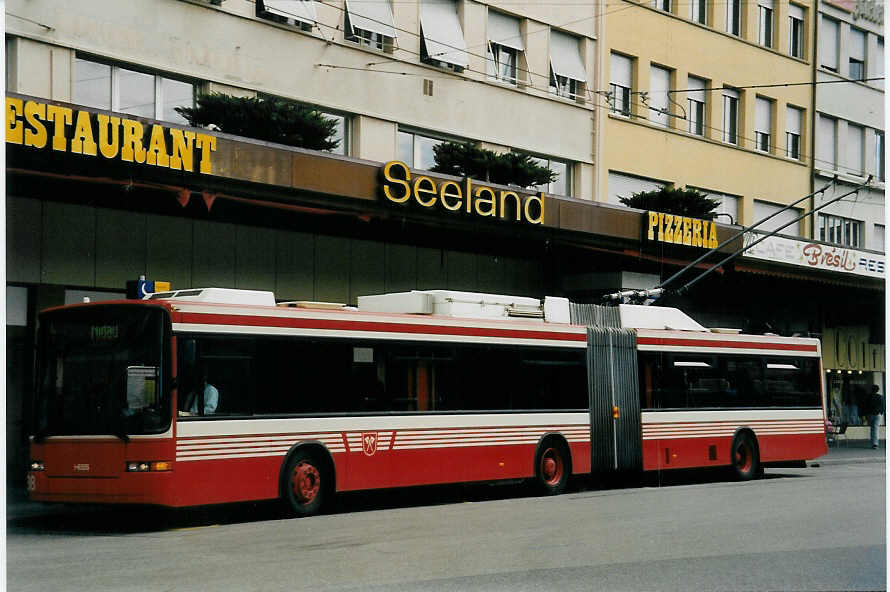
[305, 484]
[552, 468]
[745, 457]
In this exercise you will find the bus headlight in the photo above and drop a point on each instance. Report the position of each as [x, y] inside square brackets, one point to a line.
[36, 465]
[141, 466]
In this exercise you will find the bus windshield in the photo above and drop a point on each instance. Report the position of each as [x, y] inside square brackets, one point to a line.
[101, 371]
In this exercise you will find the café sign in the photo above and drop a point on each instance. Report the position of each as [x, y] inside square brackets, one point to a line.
[817, 256]
[40, 125]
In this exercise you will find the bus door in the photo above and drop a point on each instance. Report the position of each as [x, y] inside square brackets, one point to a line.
[615, 436]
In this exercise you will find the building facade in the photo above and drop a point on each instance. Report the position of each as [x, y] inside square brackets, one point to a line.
[700, 85]
[850, 149]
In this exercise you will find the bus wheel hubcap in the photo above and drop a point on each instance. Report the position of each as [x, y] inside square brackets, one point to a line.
[305, 482]
[742, 458]
[551, 466]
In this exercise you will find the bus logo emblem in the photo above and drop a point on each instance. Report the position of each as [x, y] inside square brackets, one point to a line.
[369, 443]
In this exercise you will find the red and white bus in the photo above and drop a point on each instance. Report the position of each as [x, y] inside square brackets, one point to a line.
[210, 396]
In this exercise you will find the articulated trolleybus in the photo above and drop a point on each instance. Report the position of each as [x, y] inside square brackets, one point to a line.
[207, 396]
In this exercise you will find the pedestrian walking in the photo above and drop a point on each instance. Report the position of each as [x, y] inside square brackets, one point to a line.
[874, 409]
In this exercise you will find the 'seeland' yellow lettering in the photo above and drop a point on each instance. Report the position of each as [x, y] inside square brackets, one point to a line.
[398, 187]
[114, 138]
[389, 179]
[680, 230]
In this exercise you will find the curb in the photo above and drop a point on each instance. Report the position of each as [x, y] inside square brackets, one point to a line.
[846, 461]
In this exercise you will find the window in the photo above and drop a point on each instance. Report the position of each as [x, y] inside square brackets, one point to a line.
[840, 231]
[695, 112]
[877, 65]
[730, 116]
[795, 31]
[879, 156]
[370, 23]
[765, 22]
[563, 183]
[341, 134]
[664, 5]
[855, 148]
[857, 54]
[416, 150]
[763, 124]
[621, 185]
[504, 47]
[728, 210]
[684, 381]
[441, 38]
[299, 13]
[763, 209]
[620, 71]
[115, 88]
[341, 127]
[793, 123]
[567, 71]
[828, 40]
[699, 11]
[734, 17]
[879, 244]
[826, 142]
[250, 374]
[659, 85]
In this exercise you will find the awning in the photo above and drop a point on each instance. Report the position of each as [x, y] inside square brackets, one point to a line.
[372, 15]
[301, 10]
[565, 56]
[504, 30]
[442, 34]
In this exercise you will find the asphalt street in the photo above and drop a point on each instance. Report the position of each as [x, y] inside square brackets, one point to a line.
[815, 528]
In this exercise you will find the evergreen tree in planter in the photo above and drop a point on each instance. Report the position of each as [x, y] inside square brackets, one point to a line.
[671, 200]
[465, 159]
[270, 119]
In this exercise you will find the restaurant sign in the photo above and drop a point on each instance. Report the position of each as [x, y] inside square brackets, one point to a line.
[40, 125]
[816, 256]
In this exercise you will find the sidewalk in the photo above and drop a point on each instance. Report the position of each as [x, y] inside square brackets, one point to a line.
[851, 452]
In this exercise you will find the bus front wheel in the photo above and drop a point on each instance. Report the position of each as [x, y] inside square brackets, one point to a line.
[305, 484]
[745, 457]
